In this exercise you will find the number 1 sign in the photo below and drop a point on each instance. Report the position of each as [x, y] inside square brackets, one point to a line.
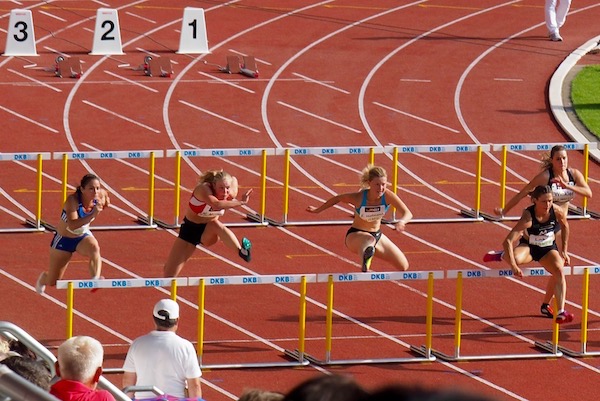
[193, 32]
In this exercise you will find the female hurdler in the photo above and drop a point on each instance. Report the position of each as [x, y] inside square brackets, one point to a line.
[215, 192]
[371, 204]
[73, 232]
[536, 231]
[565, 183]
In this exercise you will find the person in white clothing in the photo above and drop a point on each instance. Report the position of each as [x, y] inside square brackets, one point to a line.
[556, 15]
[163, 359]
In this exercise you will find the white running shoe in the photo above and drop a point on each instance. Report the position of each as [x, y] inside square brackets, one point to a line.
[39, 287]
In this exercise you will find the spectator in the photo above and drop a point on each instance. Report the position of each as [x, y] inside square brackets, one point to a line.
[405, 393]
[34, 371]
[79, 366]
[260, 395]
[163, 359]
[21, 349]
[327, 388]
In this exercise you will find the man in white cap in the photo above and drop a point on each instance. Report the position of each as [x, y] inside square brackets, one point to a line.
[163, 359]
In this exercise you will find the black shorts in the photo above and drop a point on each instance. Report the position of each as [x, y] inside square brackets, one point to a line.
[537, 252]
[376, 234]
[191, 232]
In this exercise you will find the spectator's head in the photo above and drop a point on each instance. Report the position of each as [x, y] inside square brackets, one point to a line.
[411, 393]
[80, 359]
[260, 395]
[36, 372]
[21, 349]
[327, 388]
[166, 314]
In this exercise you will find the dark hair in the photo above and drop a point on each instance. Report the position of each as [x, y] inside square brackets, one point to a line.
[21, 349]
[406, 393]
[166, 323]
[86, 180]
[327, 388]
[547, 158]
[36, 372]
[540, 190]
[260, 395]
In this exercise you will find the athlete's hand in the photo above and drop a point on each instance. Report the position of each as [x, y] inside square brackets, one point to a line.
[567, 258]
[311, 209]
[499, 211]
[517, 271]
[400, 225]
[246, 196]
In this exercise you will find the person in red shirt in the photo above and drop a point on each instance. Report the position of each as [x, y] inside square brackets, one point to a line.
[79, 367]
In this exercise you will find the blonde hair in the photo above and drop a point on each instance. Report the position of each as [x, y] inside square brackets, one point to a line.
[369, 173]
[212, 176]
[548, 156]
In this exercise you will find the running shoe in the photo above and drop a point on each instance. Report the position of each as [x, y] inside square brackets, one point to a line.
[555, 37]
[244, 251]
[547, 311]
[564, 317]
[368, 258]
[493, 256]
[96, 288]
[39, 287]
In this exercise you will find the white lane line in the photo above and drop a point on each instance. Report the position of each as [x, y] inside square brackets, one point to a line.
[56, 51]
[258, 60]
[318, 117]
[314, 81]
[52, 16]
[140, 17]
[226, 82]
[14, 113]
[120, 116]
[35, 80]
[131, 81]
[416, 117]
[219, 116]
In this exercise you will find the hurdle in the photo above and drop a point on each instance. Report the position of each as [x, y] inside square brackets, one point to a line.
[584, 271]
[298, 358]
[426, 351]
[459, 275]
[315, 151]
[72, 285]
[145, 222]
[468, 215]
[575, 212]
[36, 225]
[255, 219]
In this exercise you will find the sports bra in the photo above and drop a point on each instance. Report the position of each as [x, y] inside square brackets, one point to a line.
[203, 209]
[542, 234]
[84, 229]
[560, 194]
[371, 212]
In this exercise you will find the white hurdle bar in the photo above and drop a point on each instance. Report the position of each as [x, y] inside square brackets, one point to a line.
[146, 221]
[36, 224]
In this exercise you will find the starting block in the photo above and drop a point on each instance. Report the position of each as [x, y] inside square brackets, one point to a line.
[249, 68]
[160, 66]
[246, 67]
[69, 67]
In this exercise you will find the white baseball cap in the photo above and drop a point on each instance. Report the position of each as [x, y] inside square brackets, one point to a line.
[166, 309]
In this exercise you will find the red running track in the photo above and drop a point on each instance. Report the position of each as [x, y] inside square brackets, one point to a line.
[333, 73]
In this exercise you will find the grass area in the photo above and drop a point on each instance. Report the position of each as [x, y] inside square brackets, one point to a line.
[585, 95]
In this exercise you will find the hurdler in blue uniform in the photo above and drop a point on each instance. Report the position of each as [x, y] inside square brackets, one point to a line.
[371, 204]
[73, 232]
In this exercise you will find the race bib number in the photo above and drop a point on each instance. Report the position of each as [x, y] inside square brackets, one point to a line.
[542, 240]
